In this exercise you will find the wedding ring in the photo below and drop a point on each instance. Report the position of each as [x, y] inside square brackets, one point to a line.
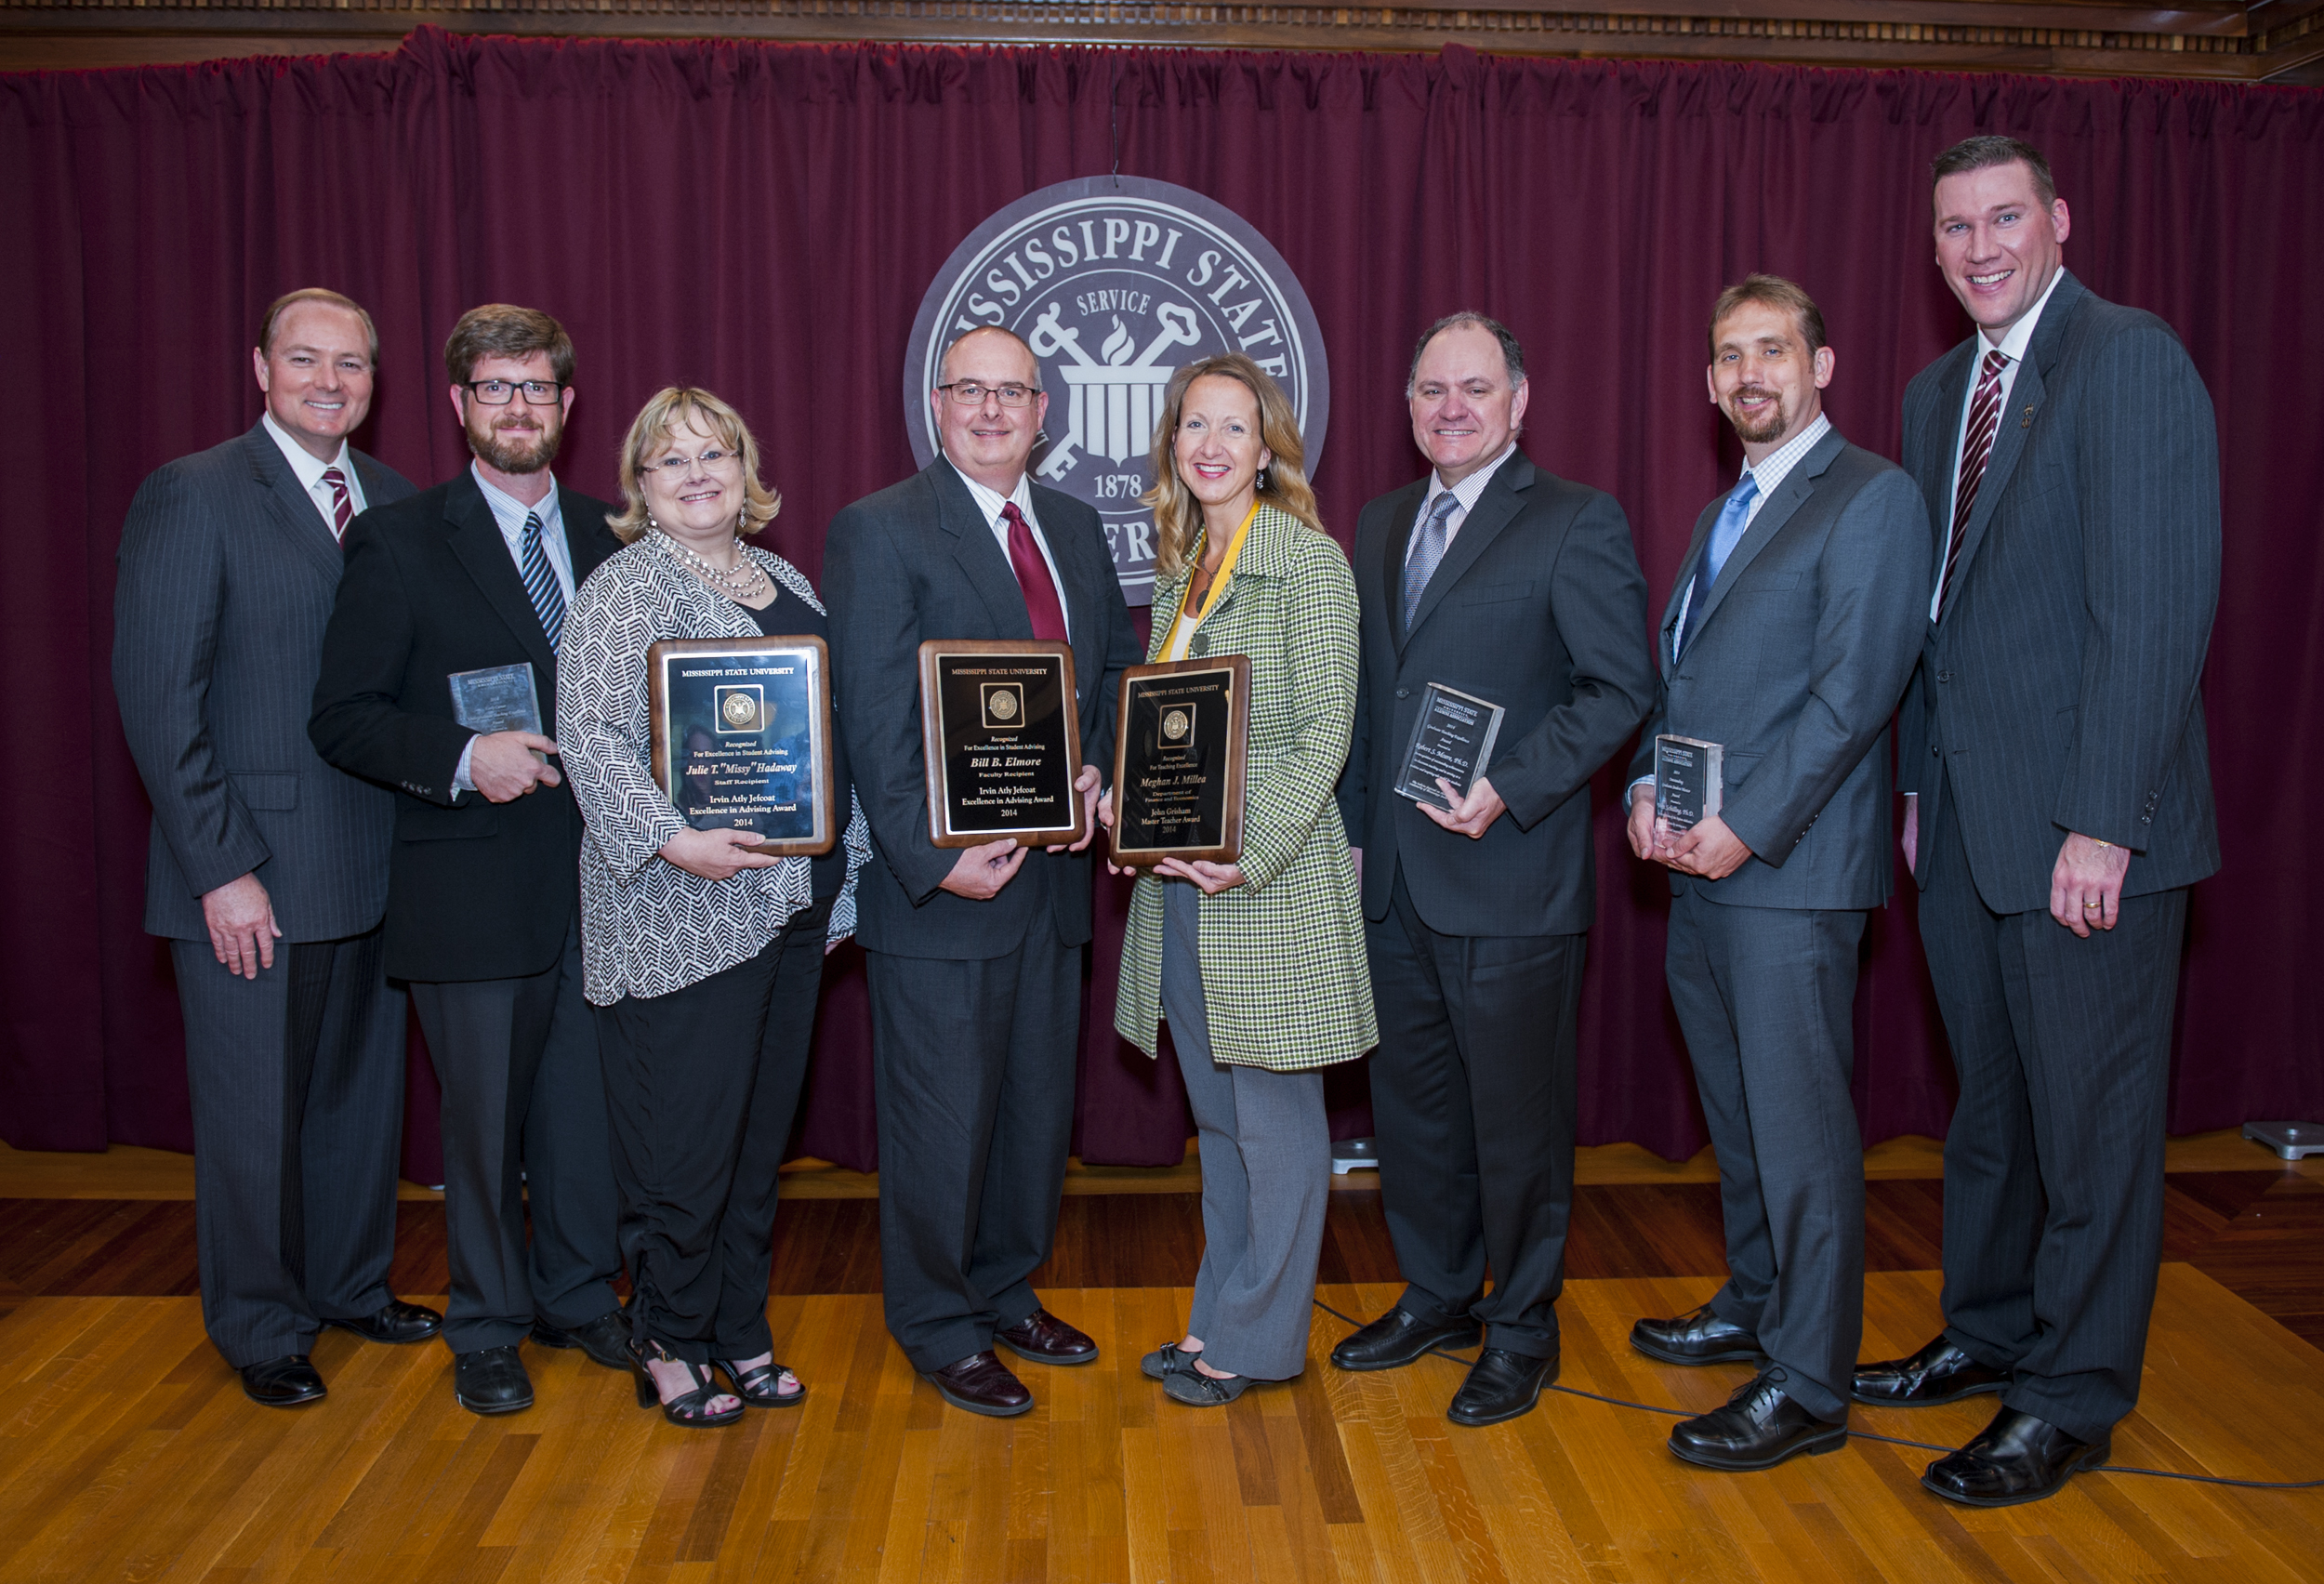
[2092, 907]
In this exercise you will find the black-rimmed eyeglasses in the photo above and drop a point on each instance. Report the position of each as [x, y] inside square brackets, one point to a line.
[972, 393]
[500, 392]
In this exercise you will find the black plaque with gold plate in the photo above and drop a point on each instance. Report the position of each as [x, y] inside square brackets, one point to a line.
[742, 737]
[1000, 726]
[1181, 735]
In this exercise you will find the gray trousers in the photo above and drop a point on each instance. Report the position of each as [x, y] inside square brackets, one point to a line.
[1766, 998]
[524, 1108]
[2053, 1185]
[297, 1078]
[1266, 1177]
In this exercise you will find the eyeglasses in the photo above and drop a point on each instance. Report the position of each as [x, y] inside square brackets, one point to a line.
[500, 392]
[972, 393]
[676, 464]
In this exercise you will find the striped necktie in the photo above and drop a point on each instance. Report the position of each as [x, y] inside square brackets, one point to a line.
[342, 503]
[540, 582]
[1428, 548]
[1976, 448]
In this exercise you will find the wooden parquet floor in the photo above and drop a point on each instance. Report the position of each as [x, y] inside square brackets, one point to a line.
[129, 1453]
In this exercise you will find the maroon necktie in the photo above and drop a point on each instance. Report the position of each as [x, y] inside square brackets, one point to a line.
[1040, 593]
[1976, 445]
[342, 503]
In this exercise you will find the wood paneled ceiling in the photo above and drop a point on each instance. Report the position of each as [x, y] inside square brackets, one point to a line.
[2223, 40]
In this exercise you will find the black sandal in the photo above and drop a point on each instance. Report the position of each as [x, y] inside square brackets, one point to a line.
[691, 1410]
[1195, 1389]
[762, 1387]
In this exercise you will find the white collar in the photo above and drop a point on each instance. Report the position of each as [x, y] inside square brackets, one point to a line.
[303, 461]
[1467, 491]
[990, 501]
[2020, 336]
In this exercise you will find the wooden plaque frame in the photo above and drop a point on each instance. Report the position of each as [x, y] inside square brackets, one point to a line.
[942, 831]
[1230, 848]
[658, 659]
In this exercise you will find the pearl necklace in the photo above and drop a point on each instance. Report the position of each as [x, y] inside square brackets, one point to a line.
[747, 580]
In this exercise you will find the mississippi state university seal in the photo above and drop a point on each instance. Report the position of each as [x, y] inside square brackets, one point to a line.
[1115, 283]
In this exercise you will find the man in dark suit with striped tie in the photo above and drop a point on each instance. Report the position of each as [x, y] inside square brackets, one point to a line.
[483, 896]
[267, 871]
[2059, 805]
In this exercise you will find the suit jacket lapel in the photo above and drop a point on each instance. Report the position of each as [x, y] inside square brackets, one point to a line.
[1703, 525]
[1082, 575]
[977, 552]
[1403, 516]
[289, 508]
[2016, 420]
[475, 541]
[1796, 487]
[1492, 513]
[587, 541]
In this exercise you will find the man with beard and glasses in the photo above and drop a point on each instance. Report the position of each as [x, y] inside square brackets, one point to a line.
[483, 922]
[1787, 639]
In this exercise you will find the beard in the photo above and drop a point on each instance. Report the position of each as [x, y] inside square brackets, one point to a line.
[517, 449]
[1765, 430]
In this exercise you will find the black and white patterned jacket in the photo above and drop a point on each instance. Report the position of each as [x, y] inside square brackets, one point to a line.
[648, 927]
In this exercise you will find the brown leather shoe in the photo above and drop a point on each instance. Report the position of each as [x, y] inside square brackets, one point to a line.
[980, 1384]
[1044, 1338]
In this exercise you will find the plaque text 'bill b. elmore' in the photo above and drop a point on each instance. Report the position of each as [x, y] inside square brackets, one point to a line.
[1001, 731]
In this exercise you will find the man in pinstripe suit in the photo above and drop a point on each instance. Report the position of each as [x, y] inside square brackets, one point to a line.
[2059, 804]
[294, 1050]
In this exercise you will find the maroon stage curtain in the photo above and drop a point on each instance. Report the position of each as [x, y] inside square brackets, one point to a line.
[763, 220]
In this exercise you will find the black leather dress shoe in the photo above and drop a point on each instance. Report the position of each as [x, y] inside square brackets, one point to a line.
[2017, 1457]
[1699, 1338]
[1760, 1427]
[399, 1322]
[491, 1380]
[287, 1382]
[1044, 1338]
[605, 1339]
[1397, 1338]
[1502, 1385]
[980, 1384]
[1939, 1373]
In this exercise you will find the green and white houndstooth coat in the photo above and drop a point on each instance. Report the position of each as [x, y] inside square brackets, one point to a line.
[1283, 967]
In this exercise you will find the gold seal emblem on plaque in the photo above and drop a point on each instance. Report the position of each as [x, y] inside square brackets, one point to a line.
[1174, 724]
[1004, 703]
[741, 708]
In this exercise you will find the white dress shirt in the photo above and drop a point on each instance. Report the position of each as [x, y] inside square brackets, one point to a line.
[308, 471]
[1465, 491]
[990, 503]
[2012, 346]
[509, 515]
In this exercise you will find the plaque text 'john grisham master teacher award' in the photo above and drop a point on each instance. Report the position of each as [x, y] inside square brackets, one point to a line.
[1179, 742]
[1001, 729]
[742, 737]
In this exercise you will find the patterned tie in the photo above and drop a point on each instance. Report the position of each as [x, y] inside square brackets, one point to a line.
[342, 503]
[1428, 548]
[1720, 544]
[1976, 446]
[1040, 593]
[540, 582]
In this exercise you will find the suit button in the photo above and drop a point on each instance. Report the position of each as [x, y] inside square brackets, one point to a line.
[1935, 752]
[1404, 692]
[1944, 676]
[1201, 645]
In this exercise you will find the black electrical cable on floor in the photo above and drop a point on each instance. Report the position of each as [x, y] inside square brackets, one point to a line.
[1869, 1435]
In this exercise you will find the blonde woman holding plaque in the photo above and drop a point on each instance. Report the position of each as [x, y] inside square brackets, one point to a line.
[1258, 965]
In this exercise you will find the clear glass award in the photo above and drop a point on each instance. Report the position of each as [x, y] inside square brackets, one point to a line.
[1686, 782]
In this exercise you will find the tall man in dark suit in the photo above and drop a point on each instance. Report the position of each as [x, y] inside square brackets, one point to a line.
[1510, 583]
[294, 1052]
[1787, 638]
[974, 955]
[2061, 805]
[483, 889]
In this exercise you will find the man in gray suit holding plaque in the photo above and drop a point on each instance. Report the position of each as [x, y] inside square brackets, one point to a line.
[2063, 805]
[1785, 644]
[268, 869]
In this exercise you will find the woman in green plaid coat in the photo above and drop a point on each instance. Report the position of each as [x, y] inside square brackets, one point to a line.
[1259, 966]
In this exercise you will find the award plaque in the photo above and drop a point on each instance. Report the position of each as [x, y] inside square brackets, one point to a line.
[742, 737]
[1686, 782]
[499, 698]
[1000, 727]
[1452, 738]
[1180, 740]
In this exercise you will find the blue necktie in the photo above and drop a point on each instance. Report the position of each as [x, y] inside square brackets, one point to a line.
[1723, 534]
[1427, 550]
[540, 582]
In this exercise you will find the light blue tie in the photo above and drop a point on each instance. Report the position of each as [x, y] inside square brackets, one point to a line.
[1723, 534]
[540, 582]
[1427, 550]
